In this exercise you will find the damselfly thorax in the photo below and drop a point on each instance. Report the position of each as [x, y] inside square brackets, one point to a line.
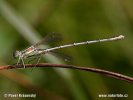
[35, 50]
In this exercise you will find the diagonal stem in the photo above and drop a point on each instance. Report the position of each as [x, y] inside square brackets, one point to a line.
[95, 70]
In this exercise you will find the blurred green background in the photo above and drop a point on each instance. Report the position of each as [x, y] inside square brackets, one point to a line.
[25, 22]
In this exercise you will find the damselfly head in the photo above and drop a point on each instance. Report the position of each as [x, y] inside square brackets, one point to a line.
[16, 54]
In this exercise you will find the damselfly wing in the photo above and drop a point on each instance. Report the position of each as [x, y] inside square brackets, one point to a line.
[33, 51]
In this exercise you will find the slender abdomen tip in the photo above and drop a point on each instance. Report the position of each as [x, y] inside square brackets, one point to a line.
[121, 36]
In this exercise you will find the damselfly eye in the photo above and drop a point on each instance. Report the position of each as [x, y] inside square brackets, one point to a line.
[15, 54]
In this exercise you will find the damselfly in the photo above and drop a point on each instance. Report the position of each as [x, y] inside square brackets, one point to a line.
[34, 50]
